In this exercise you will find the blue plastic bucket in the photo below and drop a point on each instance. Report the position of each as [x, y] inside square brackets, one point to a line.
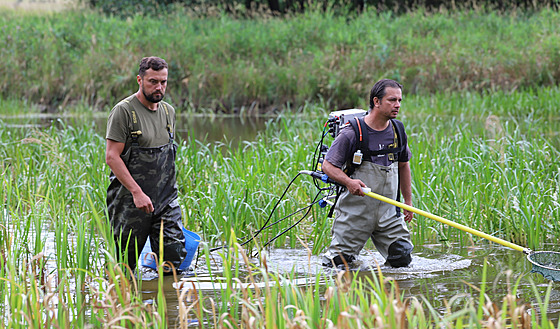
[191, 245]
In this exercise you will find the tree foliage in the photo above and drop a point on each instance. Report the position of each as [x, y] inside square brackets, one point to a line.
[279, 7]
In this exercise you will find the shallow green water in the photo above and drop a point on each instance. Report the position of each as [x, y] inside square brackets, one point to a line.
[233, 129]
[437, 272]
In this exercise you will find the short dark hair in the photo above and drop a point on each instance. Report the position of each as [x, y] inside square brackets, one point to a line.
[154, 63]
[378, 90]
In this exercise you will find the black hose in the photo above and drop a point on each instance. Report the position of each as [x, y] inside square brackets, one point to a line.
[316, 159]
[315, 200]
[267, 220]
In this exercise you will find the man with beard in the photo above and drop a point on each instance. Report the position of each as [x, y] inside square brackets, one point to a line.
[142, 194]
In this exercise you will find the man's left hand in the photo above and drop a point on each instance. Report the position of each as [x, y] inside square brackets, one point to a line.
[408, 215]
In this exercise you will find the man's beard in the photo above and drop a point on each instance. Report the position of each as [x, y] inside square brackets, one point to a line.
[154, 97]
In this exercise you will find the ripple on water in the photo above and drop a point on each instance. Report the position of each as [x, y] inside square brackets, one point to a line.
[288, 260]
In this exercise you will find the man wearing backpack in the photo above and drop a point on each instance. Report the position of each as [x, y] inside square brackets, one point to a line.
[142, 194]
[372, 152]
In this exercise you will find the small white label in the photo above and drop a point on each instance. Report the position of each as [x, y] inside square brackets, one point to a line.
[357, 159]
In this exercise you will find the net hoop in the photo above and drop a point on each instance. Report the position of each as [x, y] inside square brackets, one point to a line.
[534, 254]
[541, 261]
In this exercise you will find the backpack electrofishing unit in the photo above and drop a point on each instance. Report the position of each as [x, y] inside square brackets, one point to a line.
[328, 195]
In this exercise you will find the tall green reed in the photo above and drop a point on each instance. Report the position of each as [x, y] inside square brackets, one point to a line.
[49, 175]
[347, 300]
[501, 180]
[492, 172]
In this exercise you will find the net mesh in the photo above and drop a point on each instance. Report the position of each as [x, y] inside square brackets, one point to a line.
[546, 263]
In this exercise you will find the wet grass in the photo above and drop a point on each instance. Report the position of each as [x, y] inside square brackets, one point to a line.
[502, 181]
[490, 169]
[346, 300]
[225, 64]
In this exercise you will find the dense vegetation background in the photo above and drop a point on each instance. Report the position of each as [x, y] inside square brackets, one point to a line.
[482, 81]
[327, 54]
[281, 7]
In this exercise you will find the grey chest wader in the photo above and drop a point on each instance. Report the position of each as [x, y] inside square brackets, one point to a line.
[153, 169]
[358, 218]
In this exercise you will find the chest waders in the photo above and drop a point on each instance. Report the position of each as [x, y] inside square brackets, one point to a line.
[153, 169]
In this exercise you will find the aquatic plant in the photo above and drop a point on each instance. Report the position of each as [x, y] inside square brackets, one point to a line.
[341, 299]
[494, 171]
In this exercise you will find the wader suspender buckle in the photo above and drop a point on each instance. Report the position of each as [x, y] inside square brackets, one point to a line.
[393, 156]
[136, 132]
[392, 150]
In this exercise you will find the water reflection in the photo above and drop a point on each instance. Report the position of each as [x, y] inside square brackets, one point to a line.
[202, 128]
[212, 128]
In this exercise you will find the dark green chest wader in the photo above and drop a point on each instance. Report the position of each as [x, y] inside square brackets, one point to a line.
[153, 169]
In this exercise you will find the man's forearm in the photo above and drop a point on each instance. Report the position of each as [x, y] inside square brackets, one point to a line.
[335, 173]
[118, 167]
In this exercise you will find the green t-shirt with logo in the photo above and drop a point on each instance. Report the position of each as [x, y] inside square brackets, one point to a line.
[153, 124]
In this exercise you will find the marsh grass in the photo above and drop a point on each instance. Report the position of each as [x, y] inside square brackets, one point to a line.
[229, 64]
[345, 300]
[497, 172]
[501, 181]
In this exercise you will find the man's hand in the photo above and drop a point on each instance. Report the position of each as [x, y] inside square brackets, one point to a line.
[408, 215]
[354, 186]
[143, 202]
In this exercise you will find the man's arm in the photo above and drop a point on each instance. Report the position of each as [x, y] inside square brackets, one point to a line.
[354, 186]
[114, 161]
[406, 188]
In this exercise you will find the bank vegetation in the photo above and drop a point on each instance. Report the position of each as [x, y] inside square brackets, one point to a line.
[226, 64]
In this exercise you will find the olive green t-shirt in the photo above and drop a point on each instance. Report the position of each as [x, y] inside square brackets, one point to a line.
[153, 124]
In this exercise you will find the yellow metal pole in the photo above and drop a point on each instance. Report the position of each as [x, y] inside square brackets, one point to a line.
[445, 221]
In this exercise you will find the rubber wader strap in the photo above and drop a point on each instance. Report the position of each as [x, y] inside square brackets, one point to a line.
[136, 132]
[169, 127]
[338, 192]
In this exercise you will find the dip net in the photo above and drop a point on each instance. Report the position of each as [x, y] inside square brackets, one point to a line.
[546, 263]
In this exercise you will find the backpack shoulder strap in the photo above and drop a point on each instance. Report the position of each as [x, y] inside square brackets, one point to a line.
[401, 135]
[360, 130]
[359, 127]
